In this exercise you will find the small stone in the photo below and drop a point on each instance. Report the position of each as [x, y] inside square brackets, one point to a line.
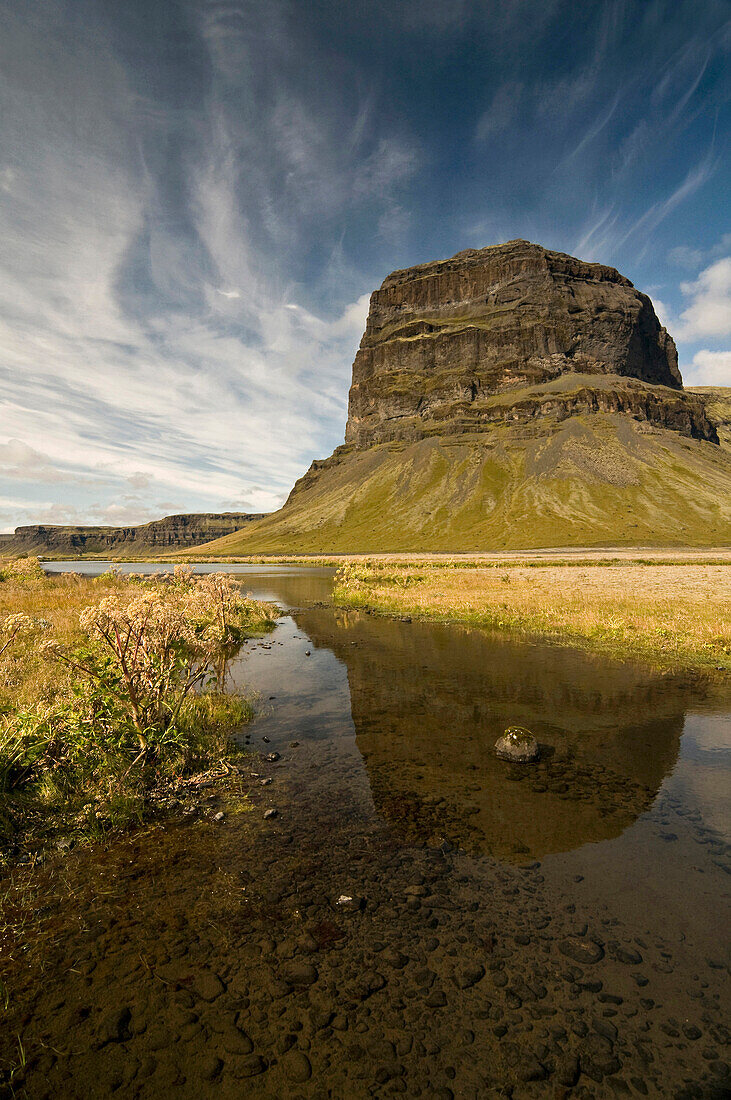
[250, 1066]
[272, 757]
[296, 1066]
[307, 653]
[567, 1070]
[394, 958]
[581, 950]
[265, 782]
[208, 985]
[269, 814]
[299, 973]
[294, 744]
[627, 956]
[219, 816]
[351, 903]
[517, 745]
[436, 999]
[469, 975]
[266, 739]
[236, 1041]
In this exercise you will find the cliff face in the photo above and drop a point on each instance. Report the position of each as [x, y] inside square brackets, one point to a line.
[444, 339]
[717, 404]
[170, 533]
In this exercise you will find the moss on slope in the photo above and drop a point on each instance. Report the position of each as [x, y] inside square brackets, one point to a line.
[598, 480]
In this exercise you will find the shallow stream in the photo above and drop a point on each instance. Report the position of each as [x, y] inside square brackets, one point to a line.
[552, 929]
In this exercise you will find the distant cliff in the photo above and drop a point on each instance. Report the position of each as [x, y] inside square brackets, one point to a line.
[170, 533]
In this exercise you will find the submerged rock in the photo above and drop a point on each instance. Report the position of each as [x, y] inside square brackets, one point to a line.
[351, 903]
[517, 745]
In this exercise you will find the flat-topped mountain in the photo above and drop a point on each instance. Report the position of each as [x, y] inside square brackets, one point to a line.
[170, 533]
[511, 397]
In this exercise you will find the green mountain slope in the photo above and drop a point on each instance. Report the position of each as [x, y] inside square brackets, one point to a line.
[597, 479]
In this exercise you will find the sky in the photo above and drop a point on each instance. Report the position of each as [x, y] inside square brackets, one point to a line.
[197, 198]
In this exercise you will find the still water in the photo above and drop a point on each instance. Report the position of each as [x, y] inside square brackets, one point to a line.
[557, 929]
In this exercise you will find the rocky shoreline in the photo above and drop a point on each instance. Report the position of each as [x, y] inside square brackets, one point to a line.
[218, 955]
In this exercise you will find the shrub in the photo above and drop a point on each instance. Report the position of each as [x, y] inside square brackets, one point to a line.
[135, 699]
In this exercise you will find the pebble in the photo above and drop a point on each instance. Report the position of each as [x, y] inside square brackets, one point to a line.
[581, 950]
[299, 973]
[272, 757]
[208, 985]
[628, 957]
[296, 1066]
[469, 975]
[351, 903]
[268, 814]
[250, 1066]
[219, 816]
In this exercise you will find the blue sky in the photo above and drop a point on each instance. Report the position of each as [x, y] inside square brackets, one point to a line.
[198, 196]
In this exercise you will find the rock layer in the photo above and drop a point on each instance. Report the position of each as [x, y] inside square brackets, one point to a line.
[170, 533]
[444, 339]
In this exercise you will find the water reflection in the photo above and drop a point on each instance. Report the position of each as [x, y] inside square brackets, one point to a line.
[429, 701]
[421, 705]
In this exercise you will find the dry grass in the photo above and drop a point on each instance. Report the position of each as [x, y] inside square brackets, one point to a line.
[81, 742]
[56, 601]
[675, 616]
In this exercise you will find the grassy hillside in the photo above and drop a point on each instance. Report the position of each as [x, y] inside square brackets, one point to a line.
[593, 480]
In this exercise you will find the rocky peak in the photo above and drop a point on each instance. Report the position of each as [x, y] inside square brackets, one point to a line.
[444, 339]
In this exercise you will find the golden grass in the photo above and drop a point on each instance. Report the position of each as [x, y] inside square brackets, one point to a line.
[68, 757]
[58, 601]
[674, 616]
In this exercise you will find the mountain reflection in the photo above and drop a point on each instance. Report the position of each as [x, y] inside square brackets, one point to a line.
[429, 701]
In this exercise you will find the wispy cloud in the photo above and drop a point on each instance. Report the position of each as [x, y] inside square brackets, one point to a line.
[501, 113]
[148, 351]
[658, 211]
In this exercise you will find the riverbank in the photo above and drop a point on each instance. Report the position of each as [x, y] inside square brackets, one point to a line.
[112, 697]
[587, 555]
[675, 617]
